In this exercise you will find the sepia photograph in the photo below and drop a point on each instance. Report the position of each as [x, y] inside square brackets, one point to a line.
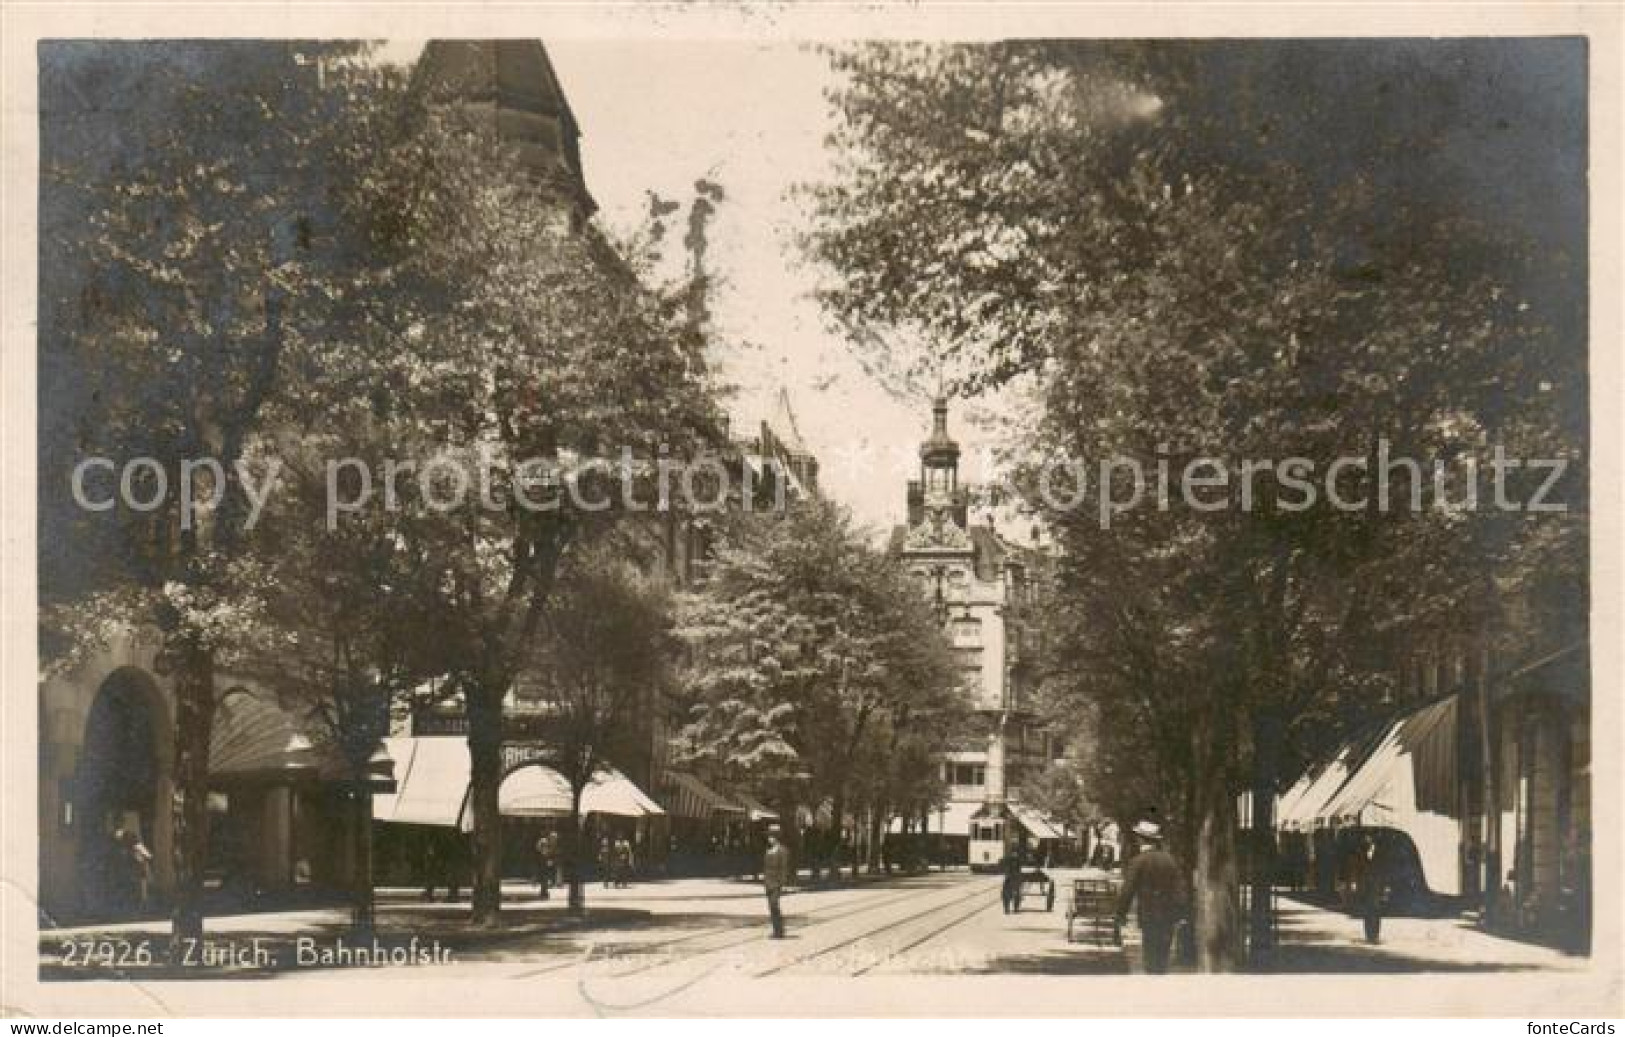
[900, 519]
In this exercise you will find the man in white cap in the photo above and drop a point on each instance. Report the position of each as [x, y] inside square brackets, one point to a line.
[1153, 878]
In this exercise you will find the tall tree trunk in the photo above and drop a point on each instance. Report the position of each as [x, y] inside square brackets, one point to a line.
[574, 853]
[1261, 854]
[1216, 884]
[1489, 760]
[862, 845]
[362, 907]
[194, 727]
[837, 829]
[877, 839]
[484, 781]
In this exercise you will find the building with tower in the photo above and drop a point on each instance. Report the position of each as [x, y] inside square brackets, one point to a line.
[980, 585]
[279, 805]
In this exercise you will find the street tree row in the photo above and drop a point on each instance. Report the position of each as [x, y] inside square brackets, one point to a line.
[1234, 251]
[818, 679]
[294, 254]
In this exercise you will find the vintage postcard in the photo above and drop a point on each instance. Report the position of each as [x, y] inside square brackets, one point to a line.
[736, 511]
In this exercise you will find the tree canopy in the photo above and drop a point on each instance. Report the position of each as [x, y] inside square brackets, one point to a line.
[1197, 279]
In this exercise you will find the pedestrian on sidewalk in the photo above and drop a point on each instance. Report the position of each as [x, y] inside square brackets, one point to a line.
[1153, 880]
[775, 876]
[1011, 893]
[430, 865]
[621, 863]
[1369, 881]
[1110, 846]
[544, 867]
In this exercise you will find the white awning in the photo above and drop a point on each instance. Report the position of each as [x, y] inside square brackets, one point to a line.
[431, 782]
[432, 773]
[1386, 787]
[757, 811]
[612, 792]
[1368, 786]
[1321, 788]
[1287, 803]
[1036, 823]
[534, 790]
[537, 790]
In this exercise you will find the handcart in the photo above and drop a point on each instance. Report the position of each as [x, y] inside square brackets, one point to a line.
[1037, 881]
[1091, 914]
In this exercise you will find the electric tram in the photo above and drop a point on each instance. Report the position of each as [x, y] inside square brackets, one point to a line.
[987, 843]
[994, 831]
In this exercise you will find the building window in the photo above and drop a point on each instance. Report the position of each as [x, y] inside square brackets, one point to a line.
[967, 774]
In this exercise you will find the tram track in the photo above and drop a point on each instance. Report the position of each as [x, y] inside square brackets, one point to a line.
[846, 909]
[757, 936]
[870, 934]
[933, 934]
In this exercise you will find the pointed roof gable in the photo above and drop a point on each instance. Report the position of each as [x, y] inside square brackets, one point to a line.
[783, 424]
[516, 77]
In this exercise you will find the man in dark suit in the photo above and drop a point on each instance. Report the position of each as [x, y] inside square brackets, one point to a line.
[775, 876]
[1153, 879]
[1369, 882]
[1010, 894]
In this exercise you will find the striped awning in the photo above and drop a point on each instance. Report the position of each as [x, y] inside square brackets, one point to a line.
[1323, 783]
[755, 809]
[255, 737]
[1410, 764]
[688, 796]
[612, 792]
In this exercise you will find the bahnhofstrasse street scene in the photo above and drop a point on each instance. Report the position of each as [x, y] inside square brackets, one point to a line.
[1056, 508]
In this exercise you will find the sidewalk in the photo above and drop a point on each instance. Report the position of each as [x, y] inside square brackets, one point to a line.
[403, 905]
[1318, 939]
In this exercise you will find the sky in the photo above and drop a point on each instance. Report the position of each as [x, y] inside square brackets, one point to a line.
[1497, 130]
[659, 115]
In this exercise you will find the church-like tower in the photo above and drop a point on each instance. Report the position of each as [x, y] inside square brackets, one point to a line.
[977, 583]
[938, 490]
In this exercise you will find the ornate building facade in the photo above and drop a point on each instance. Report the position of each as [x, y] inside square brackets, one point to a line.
[981, 587]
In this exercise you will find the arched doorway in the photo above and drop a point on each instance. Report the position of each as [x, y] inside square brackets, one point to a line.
[117, 789]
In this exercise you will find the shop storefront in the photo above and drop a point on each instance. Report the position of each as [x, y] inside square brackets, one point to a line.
[424, 824]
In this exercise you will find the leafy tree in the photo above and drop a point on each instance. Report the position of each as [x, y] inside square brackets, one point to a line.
[601, 659]
[495, 337]
[347, 618]
[180, 265]
[1183, 287]
[310, 257]
[812, 656]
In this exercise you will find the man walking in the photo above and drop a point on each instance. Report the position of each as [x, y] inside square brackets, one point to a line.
[620, 865]
[1153, 879]
[1010, 894]
[775, 876]
[545, 864]
[1368, 879]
